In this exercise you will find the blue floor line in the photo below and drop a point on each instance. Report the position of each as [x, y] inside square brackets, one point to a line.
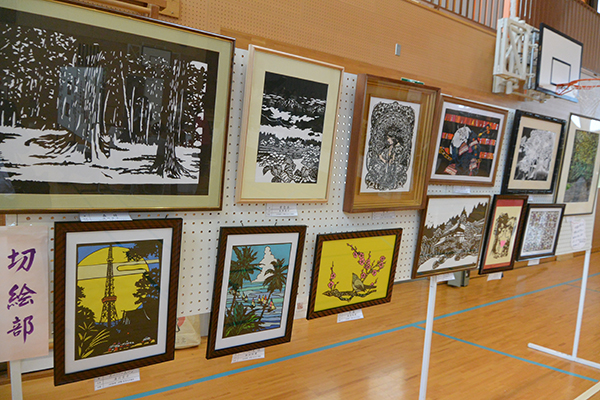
[591, 290]
[512, 356]
[331, 346]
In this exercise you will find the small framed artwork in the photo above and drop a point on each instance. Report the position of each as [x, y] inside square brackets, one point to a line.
[115, 296]
[390, 143]
[451, 235]
[288, 127]
[541, 230]
[536, 149]
[134, 121]
[579, 175]
[468, 143]
[353, 270]
[255, 288]
[503, 230]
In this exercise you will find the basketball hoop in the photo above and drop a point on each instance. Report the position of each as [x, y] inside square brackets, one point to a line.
[587, 92]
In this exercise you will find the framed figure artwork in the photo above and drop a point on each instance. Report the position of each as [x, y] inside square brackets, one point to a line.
[256, 283]
[451, 234]
[535, 154]
[288, 128]
[502, 233]
[110, 112]
[468, 143]
[115, 296]
[541, 229]
[390, 143]
[579, 175]
[353, 270]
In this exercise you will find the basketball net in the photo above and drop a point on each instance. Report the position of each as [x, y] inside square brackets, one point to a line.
[587, 92]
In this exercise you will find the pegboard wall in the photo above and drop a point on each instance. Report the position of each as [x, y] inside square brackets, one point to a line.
[201, 229]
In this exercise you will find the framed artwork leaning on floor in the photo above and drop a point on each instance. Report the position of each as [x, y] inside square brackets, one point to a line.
[502, 233]
[353, 270]
[115, 296]
[255, 290]
[541, 229]
[451, 234]
[579, 175]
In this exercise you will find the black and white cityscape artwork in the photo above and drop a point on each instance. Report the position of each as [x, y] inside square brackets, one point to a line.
[291, 130]
[536, 153]
[88, 110]
[389, 152]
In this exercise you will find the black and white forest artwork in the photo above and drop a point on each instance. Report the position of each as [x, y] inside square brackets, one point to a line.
[89, 110]
[388, 159]
[535, 156]
[291, 130]
[452, 234]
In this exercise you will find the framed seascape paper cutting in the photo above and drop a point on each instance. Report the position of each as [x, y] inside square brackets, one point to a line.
[390, 143]
[451, 234]
[503, 231]
[289, 125]
[115, 296]
[535, 154]
[353, 270]
[541, 229]
[468, 143]
[255, 289]
[579, 175]
[110, 112]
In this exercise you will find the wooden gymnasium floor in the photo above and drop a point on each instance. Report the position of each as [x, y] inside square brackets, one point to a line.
[479, 349]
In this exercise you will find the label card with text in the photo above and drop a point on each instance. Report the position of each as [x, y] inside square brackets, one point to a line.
[282, 210]
[495, 276]
[445, 277]
[92, 217]
[119, 378]
[578, 236]
[350, 316]
[248, 355]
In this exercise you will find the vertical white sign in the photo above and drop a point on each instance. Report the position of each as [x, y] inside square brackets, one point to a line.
[23, 292]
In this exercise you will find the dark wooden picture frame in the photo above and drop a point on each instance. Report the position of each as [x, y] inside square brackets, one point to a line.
[363, 264]
[389, 163]
[468, 144]
[541, 230]
[532, 165]
[451, 234]
[502, 233]
[256, 284]
[128, 113]
[135, 264]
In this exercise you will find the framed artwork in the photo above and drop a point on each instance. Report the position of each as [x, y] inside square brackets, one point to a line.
[536, 149]
[353, 270]
[451, 235]
[288, 128]
[541, 230]
[579, 174]
[502, 233]
[389, 146]
[110, 112]
[255, 288]
[468, 143]
[115, 296]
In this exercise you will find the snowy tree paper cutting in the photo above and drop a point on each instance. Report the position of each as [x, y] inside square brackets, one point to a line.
[98, 111]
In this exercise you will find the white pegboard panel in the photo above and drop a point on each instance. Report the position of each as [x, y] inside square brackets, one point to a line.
[201, 229]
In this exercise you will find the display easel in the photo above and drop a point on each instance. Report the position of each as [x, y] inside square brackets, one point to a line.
[573, 357]
[16, 385]
[433, 281]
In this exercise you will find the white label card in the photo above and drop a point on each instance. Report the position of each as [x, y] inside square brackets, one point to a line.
[578, 236]
[282, 210]
[350, 316]
[119, 378]
[379, 215]
[462, 189]
[445, 277]
[535, 261]
[495, 276]
[248, 355]
[89, 217]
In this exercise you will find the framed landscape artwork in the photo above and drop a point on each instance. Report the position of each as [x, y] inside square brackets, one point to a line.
[110, 112]
[451, 234]
[535, 154]
[541, 230]
[289, 125]
[390, 143]
[468, 143]
[579, 175]
[353, 270]
[115, 296]
[503, 231]
[255, 288]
